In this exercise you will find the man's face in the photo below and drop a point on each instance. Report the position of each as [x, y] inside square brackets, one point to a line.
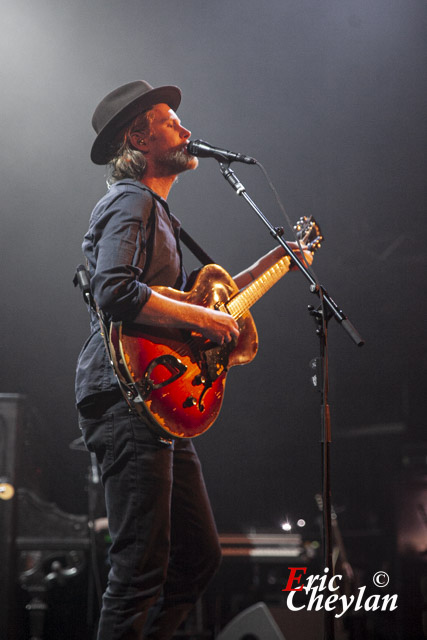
[166, 144]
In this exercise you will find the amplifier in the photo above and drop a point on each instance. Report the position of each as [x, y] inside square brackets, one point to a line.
[261, 546]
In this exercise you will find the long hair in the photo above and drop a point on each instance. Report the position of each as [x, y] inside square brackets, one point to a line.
[127, 161]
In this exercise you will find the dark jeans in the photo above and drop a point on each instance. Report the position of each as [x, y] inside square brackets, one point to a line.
[164, 545]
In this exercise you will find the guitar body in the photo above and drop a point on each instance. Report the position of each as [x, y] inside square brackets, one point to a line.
[174, 377]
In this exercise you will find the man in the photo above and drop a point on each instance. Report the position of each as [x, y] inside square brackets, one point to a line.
[164, 542]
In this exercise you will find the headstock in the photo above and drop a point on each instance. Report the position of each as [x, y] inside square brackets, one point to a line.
[308, 232]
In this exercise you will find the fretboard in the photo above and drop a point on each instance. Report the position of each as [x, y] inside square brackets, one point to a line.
[243, 301]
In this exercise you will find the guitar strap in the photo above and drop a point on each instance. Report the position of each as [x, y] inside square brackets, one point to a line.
[185, 237]
[195, 248]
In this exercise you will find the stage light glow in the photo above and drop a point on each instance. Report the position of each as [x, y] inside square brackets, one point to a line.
[7, 490]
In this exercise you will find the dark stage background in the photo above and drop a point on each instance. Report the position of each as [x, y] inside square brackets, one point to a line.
[331, 97]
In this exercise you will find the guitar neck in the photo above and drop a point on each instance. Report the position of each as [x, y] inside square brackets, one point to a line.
[243, 301]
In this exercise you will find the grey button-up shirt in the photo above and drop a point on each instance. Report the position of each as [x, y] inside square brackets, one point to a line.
[132, 244]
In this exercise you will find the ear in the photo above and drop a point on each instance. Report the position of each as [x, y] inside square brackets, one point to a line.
[138, 141]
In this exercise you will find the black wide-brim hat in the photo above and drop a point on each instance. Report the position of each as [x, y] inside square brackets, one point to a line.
[121, 106]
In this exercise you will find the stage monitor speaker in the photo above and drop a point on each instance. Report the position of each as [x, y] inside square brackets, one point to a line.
[12, 425]
[254, 623]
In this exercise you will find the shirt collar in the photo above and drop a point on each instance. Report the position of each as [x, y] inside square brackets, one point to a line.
[143, 187]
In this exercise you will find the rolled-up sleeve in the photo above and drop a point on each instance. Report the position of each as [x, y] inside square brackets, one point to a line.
[118, 235]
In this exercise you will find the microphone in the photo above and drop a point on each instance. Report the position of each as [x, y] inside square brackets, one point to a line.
[202, 149]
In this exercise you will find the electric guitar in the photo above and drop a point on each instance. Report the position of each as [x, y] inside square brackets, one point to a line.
[176, 378]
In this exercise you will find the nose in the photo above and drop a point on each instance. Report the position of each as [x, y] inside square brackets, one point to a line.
[184, 133]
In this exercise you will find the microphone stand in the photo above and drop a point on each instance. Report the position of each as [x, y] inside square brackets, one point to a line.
[327, 309]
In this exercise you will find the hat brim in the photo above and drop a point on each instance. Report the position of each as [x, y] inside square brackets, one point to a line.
[101, 148]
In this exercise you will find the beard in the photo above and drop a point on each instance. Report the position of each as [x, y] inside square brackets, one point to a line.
[178, 161]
